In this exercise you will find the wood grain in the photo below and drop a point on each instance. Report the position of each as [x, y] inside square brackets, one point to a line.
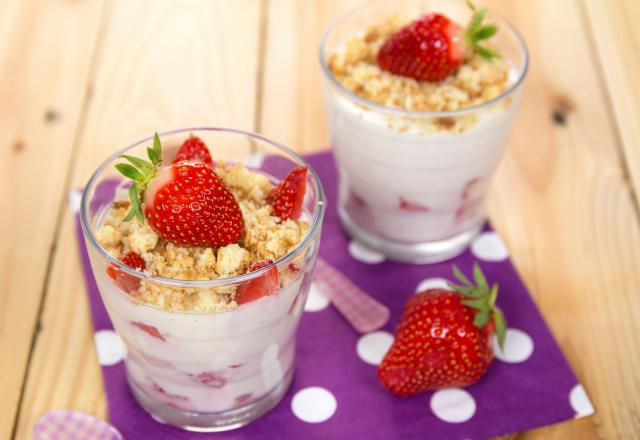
[43, 73]
[162, 65]
[563, 203]
[616, 36]
[292, 111]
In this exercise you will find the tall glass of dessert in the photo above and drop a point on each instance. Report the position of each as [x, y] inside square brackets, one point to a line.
[209, 331]
[416, 157]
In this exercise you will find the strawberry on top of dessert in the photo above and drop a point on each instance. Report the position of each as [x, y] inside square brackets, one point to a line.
[427, 65]
[191, 220]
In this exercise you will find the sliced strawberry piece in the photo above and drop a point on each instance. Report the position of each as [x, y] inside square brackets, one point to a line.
[411, 206]
[195, 150]
[473, 189]
[149, 329]
[243, 399]
[286, 199]
[267, 284]
[357, 199]
[170, 398]
[210, 379]
[468, 209]
[128, 283]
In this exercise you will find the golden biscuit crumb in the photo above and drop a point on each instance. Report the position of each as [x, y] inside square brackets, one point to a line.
[266, 238]
[475, 82]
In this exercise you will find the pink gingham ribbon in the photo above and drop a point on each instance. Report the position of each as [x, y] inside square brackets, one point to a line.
[363, 312]
[72, 425]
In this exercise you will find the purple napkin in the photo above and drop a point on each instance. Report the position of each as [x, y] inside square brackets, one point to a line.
[335, 392]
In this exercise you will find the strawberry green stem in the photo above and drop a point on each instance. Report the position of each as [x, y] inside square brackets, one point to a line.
[477, 32]
[482, 298]
[141, 172]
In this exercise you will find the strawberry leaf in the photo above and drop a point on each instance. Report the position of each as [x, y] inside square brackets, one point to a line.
[156, 144]
[130, 171]
[476, 31]
[479, 297]
[141, 172]
[460, 276]
[501, 326]
[135, 211]
[486, 53]
[478, 16]
[493, 295]
[130, 215]
[481, 319]
[481, 281]
[471, 5]
[145, 167]
[153, 156]
[485, 32]
[466, 291]
[479, 304]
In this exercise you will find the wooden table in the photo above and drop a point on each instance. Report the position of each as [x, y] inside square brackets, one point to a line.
[79, 79]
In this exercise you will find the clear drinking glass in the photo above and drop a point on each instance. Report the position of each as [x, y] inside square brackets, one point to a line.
[407, 189]
[208, 371]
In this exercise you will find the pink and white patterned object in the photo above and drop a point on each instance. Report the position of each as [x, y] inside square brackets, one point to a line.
[72, 425]
[361, 310]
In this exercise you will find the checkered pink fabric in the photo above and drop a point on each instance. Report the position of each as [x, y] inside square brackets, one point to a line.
[71, 425]
[363, 312]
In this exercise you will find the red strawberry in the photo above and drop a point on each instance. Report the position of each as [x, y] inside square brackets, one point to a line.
[471, 199]
[195, 150]
[433, 47]
[171, 399]
[149, 329]
[243, 399]
[358, 200]
[128, 283]
[412, 206]
[443, 339]
[267, 284]
[186, 203]
[286, 199]
[209, 379]
[468, 209]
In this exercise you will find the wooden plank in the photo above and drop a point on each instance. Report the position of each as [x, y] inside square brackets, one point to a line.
[560, 197]
[563, 204]
[163, 64]
[292, 111]
[43, 74]
[616, 38]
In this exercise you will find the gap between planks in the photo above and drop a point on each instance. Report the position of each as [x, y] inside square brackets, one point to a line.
[105, 14]
[263, 33]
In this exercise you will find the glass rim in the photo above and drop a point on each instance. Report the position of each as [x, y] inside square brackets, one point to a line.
[219, 282]
[522, 73]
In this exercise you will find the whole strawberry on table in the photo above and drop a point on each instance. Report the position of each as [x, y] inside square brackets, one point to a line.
[444, 337]
[433, 47]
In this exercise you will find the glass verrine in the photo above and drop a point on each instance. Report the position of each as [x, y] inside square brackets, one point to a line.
[413, 184]
[207, 371]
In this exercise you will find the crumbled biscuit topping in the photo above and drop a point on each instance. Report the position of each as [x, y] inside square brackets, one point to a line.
[475, 82]
[266, 238]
